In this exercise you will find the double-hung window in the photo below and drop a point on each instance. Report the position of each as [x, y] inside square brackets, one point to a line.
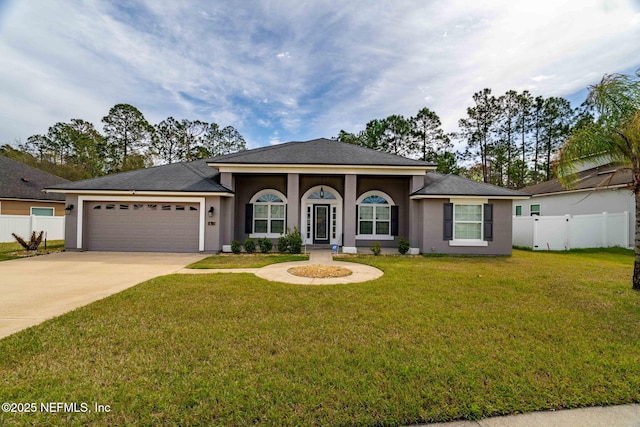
[468, 223]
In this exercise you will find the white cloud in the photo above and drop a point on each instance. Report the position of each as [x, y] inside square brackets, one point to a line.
[229, 63]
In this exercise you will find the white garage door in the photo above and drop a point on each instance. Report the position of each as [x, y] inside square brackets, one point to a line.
[143, 227]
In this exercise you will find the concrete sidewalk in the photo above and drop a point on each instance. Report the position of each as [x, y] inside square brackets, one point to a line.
[598, 416]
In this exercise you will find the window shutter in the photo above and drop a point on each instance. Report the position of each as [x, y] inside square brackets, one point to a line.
[488, 222]
[394, 220]
[248, 218]
[357, 230]
[447, 232]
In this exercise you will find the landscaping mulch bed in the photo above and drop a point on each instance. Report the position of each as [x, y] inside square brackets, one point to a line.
[318, 271]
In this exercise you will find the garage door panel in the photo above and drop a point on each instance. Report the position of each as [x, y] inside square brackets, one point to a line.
[120, 226]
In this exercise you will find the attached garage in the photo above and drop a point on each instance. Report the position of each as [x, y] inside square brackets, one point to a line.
[149, 226]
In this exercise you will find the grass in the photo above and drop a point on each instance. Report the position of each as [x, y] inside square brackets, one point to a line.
[434, 339]
[245, 260]
[13, 250]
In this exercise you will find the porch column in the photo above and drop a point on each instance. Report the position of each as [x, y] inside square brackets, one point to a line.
[416, 221]
[227, 213]
[293, 201]
[349, 221]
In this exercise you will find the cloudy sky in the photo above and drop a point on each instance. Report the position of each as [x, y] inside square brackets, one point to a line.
[282, 70]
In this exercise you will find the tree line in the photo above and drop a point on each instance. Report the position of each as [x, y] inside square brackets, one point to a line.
[509, 140]
[77, 150]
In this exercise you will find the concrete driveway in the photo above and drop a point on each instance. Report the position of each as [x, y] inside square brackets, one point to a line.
[39, 288]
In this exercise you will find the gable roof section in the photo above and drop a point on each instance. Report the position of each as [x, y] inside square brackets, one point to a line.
[600, 178]
[317, 152]
[189, 177]
[439, 185]
[21, 181]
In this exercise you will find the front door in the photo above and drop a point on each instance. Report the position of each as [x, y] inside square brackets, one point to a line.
[321, 224]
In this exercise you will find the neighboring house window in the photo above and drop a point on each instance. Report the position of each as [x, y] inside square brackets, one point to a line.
[534, 210]
[518, 210]
[377, 216]
[468, 224]
[42, 211]
[266, 214]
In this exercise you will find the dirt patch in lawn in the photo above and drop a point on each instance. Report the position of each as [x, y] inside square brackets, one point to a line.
[318, 271]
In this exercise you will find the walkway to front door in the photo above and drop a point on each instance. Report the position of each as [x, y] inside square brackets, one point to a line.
[279, 273]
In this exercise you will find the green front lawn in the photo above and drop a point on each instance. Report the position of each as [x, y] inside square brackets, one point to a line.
[434, 339]
[245, 260]
[13, 250]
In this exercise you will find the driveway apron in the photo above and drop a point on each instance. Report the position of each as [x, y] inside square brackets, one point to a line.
[39, 288]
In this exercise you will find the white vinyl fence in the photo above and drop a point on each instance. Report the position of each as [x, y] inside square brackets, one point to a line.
[558, 233]
[24, 225]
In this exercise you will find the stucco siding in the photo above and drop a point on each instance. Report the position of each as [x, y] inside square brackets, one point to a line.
[433, 242]
[71, 224]
[246, 186]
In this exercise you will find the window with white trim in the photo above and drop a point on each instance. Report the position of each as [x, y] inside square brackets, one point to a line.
[467, 222]
[534, 210]
[374, 215]
[42, 211]
[269, 213]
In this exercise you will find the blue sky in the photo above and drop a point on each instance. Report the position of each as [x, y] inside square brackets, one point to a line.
[291, 70]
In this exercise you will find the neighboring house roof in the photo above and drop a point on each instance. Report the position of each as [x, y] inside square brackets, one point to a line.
[21, 181]
[193, 176]
[596, 178]
[317, 152]
[439, 185]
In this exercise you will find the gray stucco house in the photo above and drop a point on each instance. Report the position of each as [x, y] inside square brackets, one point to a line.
[335, 193]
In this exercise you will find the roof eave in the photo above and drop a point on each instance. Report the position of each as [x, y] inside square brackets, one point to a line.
[143, 193]
[466, 196]
[582, 190]
[321, 168]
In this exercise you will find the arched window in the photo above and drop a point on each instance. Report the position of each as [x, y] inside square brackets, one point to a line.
[376, 215]
[268, 213]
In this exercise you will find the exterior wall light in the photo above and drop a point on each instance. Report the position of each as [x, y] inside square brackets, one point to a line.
[211, 211]
[68, 209]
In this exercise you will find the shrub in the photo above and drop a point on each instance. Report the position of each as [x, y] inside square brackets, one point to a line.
[265, 244]
[249, 245]
[283, 244]
[33, 243]
[376, 248]
[236, 246]
[403, 245]
[295, 241]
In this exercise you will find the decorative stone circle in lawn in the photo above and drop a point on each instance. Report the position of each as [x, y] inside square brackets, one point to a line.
[318, 271]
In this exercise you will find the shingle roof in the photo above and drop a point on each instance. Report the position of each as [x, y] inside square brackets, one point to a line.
[20, 181]
[317, 152]
[193, 176]
[600, 177]
[437, 184]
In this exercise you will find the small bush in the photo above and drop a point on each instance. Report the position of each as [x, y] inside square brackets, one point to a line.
[295, 241]
[249, 246]
[265, 244]
[236, 246]
[376, 248]
[283, 244]
[403, 245]
[32, 244]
